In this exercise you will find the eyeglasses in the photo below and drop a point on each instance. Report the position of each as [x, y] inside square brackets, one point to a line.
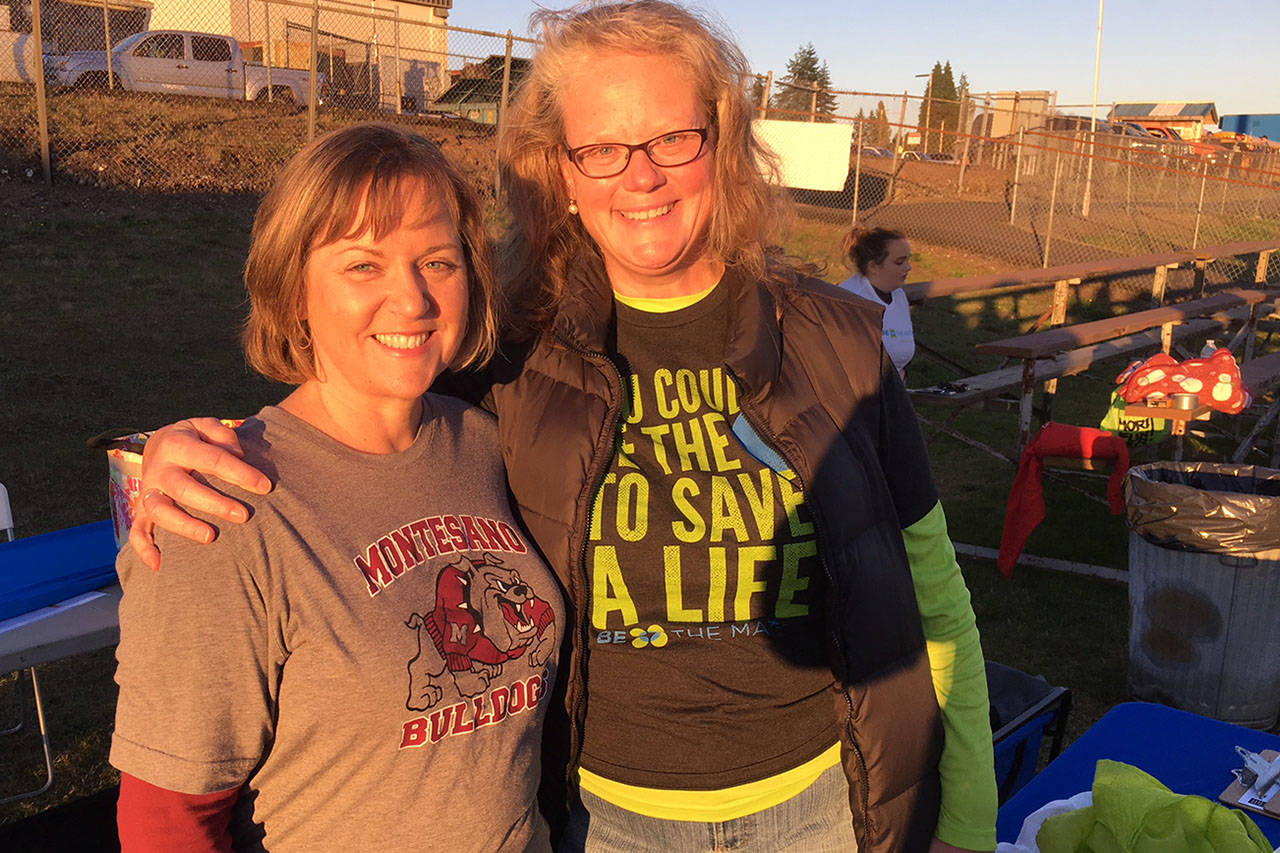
[606, 159]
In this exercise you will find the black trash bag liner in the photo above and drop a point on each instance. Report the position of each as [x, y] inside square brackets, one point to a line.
[1205, 506]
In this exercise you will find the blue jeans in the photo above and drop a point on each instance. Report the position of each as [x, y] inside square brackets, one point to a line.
[816, 820]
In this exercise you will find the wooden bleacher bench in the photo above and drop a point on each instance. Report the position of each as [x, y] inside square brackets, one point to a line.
[1052, 341]
[1129, 335]
[1261, 376]
[986, 386]
[978, 388]
[1068, 274]
[1063, 350]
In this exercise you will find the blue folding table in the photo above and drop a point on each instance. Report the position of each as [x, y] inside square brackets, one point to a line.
[1189, 753]
[58, 597]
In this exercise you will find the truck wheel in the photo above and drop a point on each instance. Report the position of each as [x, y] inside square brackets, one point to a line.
[279, 94]
[94, 80]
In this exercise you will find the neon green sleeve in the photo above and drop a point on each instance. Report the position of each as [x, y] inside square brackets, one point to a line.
[969, 798]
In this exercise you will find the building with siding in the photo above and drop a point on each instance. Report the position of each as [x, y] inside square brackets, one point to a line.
[1188, 120]
[79, 24]
[1258, 125]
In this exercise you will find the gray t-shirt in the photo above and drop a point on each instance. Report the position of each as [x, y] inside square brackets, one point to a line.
[370, 656]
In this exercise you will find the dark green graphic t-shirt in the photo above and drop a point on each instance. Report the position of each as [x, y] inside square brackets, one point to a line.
[708, 666]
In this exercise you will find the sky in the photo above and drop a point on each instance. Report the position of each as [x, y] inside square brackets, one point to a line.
[1152, 50]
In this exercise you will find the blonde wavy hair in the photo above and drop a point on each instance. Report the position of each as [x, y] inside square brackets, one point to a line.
[346, 183]
[746, 211]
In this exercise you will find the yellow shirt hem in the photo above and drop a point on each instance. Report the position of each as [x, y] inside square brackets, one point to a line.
[711, 806]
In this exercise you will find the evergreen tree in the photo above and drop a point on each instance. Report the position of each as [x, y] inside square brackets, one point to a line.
[883, 135]
[795, 91]
[966, 117]
[940, 107]
[756, 91]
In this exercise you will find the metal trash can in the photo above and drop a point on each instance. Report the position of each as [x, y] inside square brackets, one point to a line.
[1204, 589]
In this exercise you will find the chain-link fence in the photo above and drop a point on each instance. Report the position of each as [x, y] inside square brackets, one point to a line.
[202, 95]
[1008, 175]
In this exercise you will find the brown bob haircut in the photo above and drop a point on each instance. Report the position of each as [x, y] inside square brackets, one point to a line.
[745, 214]
[317, 200]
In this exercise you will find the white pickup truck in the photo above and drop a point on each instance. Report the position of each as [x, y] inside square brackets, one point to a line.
[183, 63]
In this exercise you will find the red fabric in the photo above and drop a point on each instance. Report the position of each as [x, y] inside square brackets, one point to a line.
[151, 819]
[1025, 510]
[1215, 378]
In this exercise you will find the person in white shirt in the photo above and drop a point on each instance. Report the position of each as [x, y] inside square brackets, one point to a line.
[882, 258]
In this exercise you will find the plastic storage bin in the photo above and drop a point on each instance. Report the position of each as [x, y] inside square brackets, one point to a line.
[1024, 710]
[1204, 589]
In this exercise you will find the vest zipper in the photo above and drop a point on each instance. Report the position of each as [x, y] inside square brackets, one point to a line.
[595, 477]
[771, 439]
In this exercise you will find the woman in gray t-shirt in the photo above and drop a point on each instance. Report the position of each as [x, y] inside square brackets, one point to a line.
[364, 664]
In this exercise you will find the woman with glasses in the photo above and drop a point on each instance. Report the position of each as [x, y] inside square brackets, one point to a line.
[771, 645]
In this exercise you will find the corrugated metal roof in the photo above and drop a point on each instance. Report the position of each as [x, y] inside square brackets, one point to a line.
[1166, 109]
[470, 90]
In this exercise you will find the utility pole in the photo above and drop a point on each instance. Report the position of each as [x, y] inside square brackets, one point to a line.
[1093, 117]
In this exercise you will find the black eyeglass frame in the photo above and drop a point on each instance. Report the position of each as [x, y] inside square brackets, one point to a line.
[703, 134]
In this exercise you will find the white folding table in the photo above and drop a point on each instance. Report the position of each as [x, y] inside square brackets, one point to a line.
[83, 622]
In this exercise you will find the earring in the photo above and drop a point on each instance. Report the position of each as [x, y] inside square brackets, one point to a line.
[573, 207]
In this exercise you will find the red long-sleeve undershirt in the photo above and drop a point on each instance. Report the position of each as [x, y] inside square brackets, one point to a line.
[151, 819]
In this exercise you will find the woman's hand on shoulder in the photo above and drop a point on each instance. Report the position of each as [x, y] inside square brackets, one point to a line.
[205, 445]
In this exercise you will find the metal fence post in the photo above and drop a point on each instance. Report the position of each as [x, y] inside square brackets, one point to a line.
[399, 78]
[502, 114]
[1222, 204]
[315, 51]
[106, 35]
[1128, 181]
[1053, 200]
[986, 127]
[764, 95]
[1017, 177]
[964, 163]
[928, 108]
[1204, 178]
[268, 47]
[857, 175]
[897, 147]
[813, 103]
[42, 107]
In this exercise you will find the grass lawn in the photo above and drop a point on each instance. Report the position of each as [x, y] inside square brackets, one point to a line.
[123, 311]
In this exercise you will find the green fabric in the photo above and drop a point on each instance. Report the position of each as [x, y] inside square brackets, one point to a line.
[1134, 430]
[1133, 813]
[968, 814]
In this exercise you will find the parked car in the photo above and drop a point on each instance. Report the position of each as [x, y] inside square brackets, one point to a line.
[875, 151]
[1169, 139]
[1076, 124]
[183, 63]
[913, 155]
[1135, 137]
[1207, 148]
[942, 157]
